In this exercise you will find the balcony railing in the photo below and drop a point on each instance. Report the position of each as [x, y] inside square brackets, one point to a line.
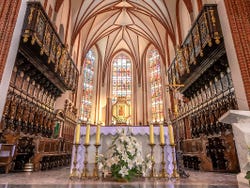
[40, 32]
[204, 37]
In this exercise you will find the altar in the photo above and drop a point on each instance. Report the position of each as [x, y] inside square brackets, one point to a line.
[108, 132]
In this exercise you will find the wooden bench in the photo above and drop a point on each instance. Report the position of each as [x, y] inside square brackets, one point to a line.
[50, 153]
[45, 161]
[7, 152]
[195, 156]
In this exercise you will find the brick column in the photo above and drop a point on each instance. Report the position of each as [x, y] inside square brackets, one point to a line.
[239, 19]
[8, 17]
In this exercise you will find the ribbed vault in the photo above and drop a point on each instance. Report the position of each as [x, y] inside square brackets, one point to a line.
[129, 25]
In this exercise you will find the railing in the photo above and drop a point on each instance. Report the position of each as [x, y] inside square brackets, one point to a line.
[204, 34]
[39, 30]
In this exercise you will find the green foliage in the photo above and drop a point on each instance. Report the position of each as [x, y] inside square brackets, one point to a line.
[248, 175]
[124, 158]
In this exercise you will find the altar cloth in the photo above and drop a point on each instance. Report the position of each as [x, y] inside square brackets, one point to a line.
[108, 132]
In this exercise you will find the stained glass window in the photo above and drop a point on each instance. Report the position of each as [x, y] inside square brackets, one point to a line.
[88, 85]
[156, 85]
[121, 78]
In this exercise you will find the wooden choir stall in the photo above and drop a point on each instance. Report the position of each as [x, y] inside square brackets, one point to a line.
[34, 136]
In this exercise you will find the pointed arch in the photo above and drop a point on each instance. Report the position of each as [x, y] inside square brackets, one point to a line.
[87, 86]
[154, 65]
[122, 79]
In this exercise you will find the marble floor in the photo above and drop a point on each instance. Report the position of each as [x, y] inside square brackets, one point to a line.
[60, 178]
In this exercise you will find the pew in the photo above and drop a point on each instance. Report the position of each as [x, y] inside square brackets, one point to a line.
[50, 153]
[7, 153]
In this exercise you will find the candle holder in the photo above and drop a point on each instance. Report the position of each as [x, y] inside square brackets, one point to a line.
[74, 170]
[175, 173]
[85, 171]
[152, 173]
[96, 170]
[163, 173]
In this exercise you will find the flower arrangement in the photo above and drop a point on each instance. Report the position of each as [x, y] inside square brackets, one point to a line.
[124, 158]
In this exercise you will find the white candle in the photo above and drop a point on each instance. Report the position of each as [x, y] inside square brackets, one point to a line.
[162, 140]
[151, 134]
[98, 131]
[87, 134]
[77, 133]
[171, 134]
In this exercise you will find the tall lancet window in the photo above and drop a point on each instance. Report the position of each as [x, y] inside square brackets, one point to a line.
[156, 85]
[88, 86]
[121, 78]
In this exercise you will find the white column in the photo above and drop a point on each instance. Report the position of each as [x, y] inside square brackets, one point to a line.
[240, 121]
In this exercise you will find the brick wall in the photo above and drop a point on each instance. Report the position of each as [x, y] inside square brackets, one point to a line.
[8, 17]
[239, 18]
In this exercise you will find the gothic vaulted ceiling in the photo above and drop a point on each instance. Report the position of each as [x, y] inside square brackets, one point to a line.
[123, 25]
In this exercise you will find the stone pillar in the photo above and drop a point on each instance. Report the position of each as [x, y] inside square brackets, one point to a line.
[240, 121]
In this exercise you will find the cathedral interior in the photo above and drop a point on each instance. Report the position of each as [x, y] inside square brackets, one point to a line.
[76, 74]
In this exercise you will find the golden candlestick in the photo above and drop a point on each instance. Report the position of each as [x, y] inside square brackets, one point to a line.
[85, 171]
[152, 173]
[74, 170]
[175, 174]
[163, 173]
[96, 170]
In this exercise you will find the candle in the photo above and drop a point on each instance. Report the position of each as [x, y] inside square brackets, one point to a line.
[171, 134]
[97, 138]
[87, 134]
[151, 134]
[77, 133]
[162, 138]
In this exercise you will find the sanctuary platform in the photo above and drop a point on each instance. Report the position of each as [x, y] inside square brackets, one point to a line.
[59, 178]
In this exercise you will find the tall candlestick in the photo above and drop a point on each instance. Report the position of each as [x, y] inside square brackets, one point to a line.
[162, 140]
[151, 134]
[171, 134]
[85, 171]
[152, 173]
[74, 170]
[175, 174]
[77, 133]
[97, 138]
[163, 173]
[95, 170]
[87, 134]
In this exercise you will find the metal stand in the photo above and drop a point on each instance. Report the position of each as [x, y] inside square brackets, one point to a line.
[152, 173]
[74, 170]
[85, 171]
[175, 173]
[163, 173]
[180, 166]
[96, 171]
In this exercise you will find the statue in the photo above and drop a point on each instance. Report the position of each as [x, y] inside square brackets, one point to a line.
[121, 111]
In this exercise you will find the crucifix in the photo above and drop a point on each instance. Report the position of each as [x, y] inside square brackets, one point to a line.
[175, 87]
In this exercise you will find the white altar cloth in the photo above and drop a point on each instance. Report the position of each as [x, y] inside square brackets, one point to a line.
[107, 133]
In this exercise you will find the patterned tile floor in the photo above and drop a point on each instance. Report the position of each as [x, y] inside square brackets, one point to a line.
[59, 179]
